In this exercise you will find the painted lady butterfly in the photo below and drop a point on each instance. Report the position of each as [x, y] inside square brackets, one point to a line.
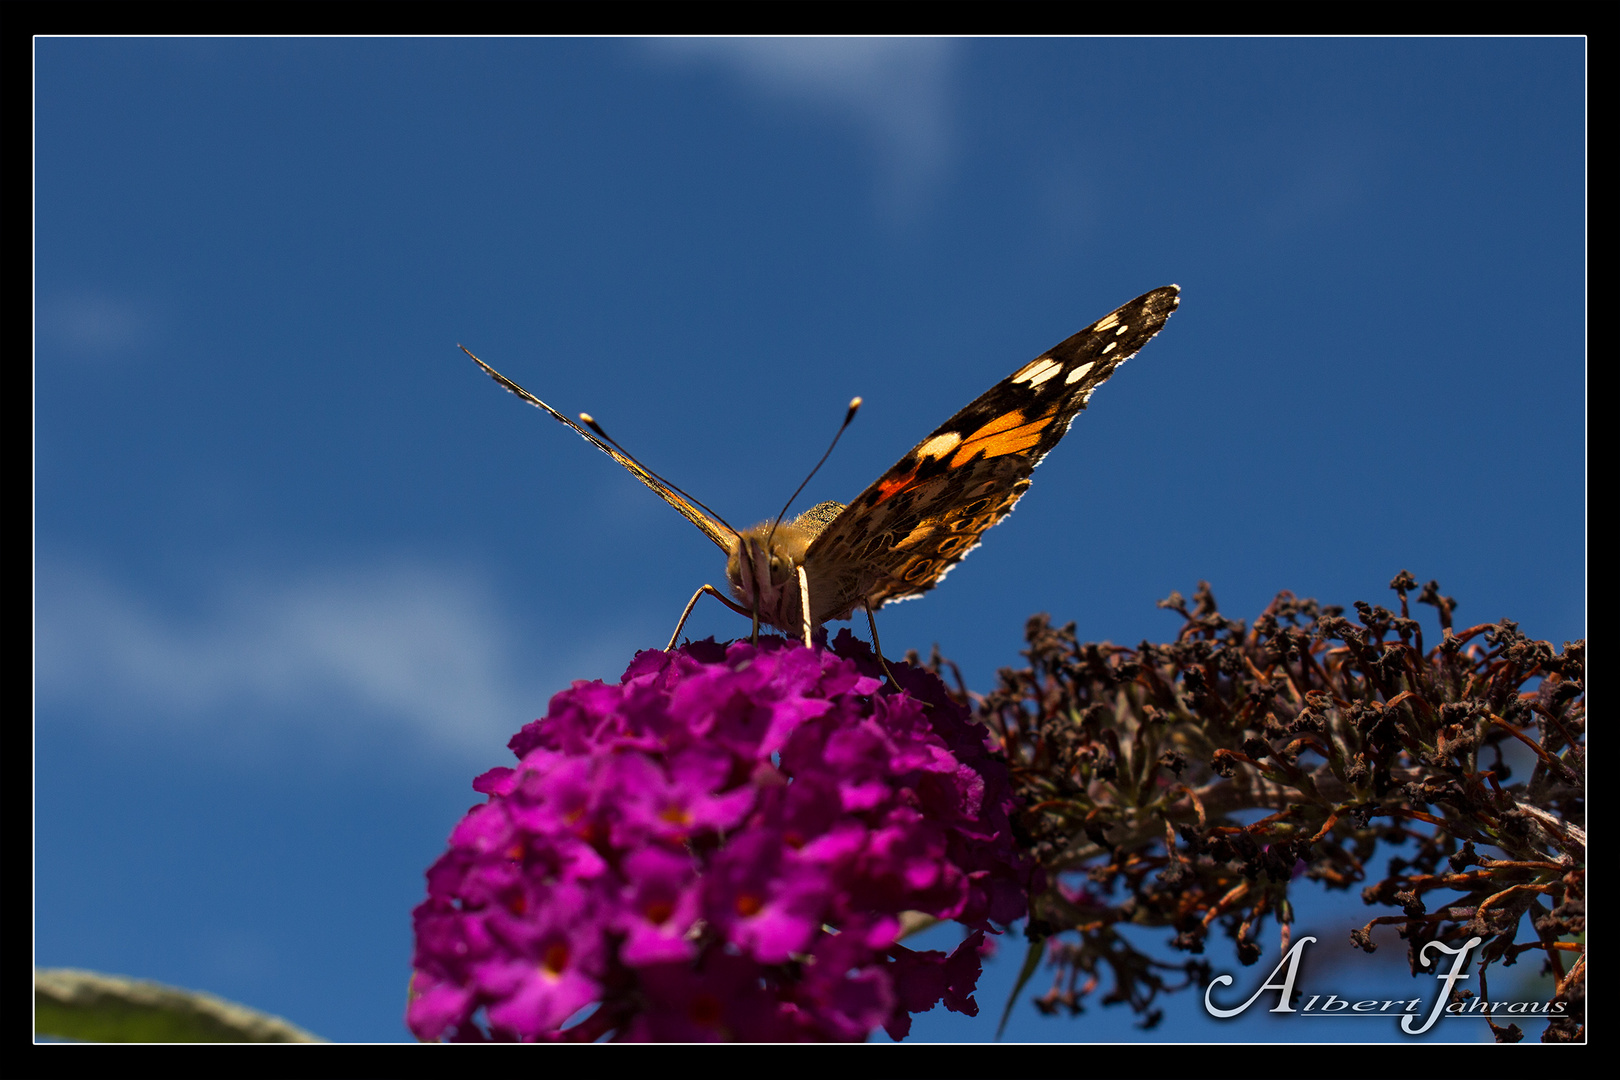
[900, 536]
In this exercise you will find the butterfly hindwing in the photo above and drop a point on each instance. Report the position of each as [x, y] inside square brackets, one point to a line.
[900, 536]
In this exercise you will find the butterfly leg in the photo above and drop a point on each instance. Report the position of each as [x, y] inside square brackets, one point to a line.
[876, 647]
[690, 604]
[804, 603]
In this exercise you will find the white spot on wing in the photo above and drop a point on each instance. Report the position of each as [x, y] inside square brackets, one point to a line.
[1038, 371]
[939, 445]
[1080, 372]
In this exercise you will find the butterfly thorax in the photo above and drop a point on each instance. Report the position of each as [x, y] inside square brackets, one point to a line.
[764, 562]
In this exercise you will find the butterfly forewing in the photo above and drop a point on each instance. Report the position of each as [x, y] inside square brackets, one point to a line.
[717, 531]
[900, 535]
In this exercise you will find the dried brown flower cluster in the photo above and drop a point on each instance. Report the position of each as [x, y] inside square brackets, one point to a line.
[1139, 766]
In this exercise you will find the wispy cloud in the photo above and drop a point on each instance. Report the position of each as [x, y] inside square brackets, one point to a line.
[95, 325]
[1322, 182]
[423, 652]
[895, 90]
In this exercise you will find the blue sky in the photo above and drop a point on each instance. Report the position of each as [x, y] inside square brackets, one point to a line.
[301, 569]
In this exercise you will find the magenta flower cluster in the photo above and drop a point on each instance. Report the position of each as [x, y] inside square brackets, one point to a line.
[720, 847]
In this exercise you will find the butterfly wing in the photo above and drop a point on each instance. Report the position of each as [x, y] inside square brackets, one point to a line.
[711, 527]
[901, 535]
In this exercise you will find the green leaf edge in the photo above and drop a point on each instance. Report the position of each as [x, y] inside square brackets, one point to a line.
[88, 1006]
[1032, 960]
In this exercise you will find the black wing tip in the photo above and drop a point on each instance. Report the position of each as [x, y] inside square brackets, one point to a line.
[1171, 293]
[1158, 304]
[1147, 315]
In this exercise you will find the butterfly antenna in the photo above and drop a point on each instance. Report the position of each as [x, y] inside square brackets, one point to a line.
[589, 421]
[854, 405]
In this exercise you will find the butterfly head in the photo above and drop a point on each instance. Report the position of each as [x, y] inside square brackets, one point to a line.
[764, 561]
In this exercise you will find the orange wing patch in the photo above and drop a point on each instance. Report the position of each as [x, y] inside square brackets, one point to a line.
[889, 487]
[1010, 433]
[1006, 434]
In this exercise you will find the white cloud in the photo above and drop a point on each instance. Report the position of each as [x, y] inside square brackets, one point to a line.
[896, 90]
[95, 326]
[423, 653]
[1322, 182]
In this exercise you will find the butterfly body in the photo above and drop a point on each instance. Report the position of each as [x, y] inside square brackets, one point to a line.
[900, 536]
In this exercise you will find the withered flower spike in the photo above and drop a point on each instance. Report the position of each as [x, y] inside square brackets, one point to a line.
[1348, 742]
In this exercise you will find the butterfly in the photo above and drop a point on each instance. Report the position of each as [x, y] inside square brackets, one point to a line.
[903, 533]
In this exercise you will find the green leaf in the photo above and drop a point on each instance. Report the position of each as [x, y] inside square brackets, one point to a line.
[91, 1007]
[1032, 960]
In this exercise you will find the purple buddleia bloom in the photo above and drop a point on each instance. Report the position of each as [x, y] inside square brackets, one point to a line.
[765, 898]
[662, 902]
[923, 979]
[719, 1000]
[720, 847]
